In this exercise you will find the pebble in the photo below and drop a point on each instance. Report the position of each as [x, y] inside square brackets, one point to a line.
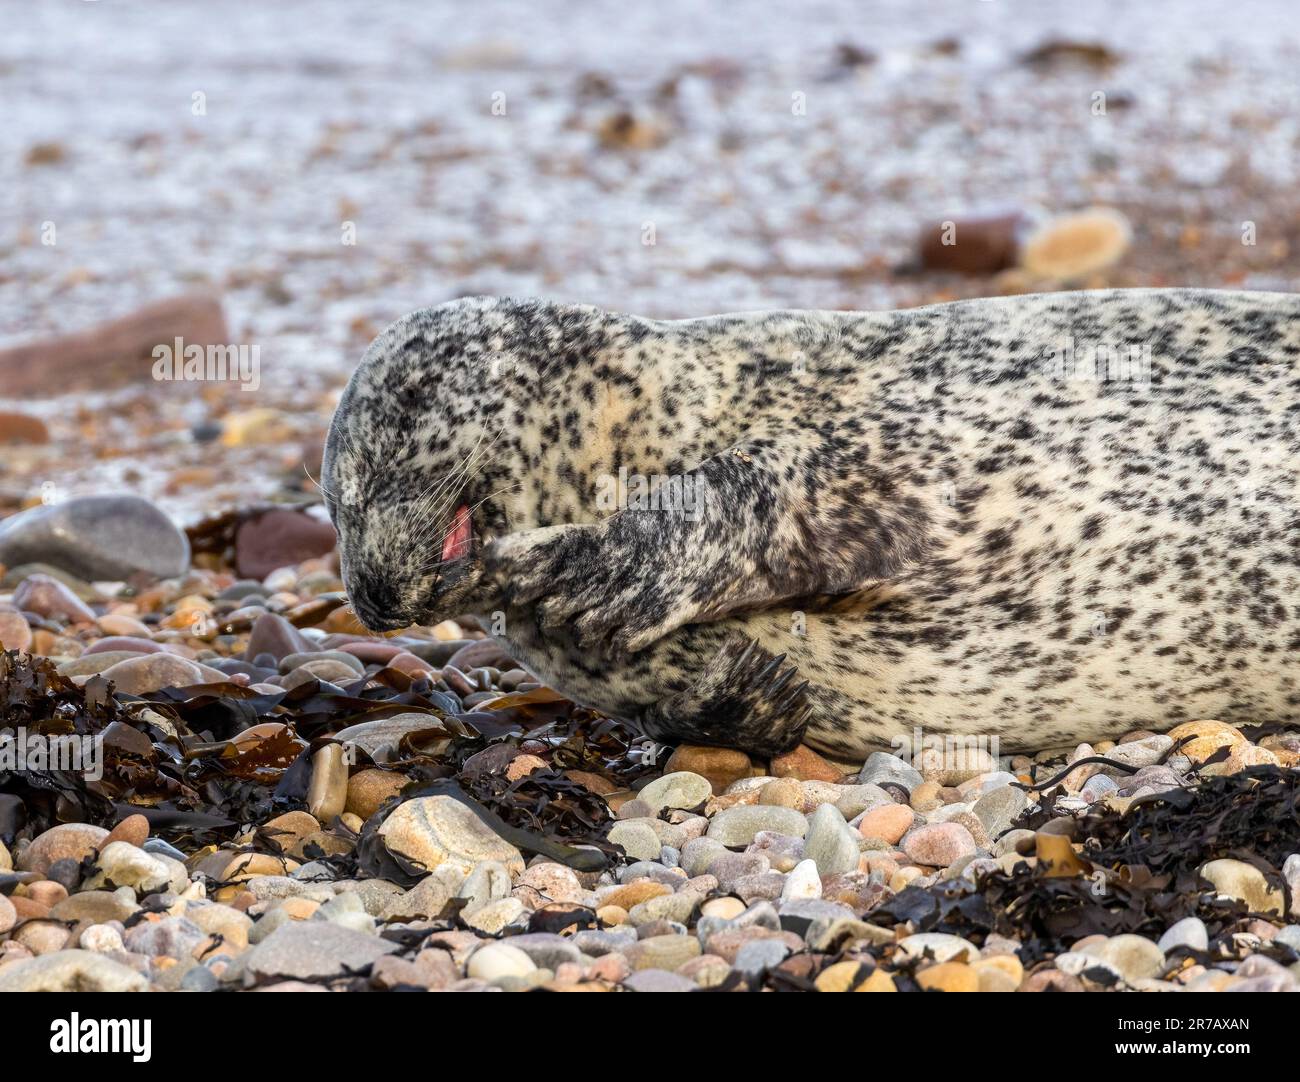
[806, 765]
[831, 844]
[15, 632]
[71, 841]
[97, 538]
[379, 739]
[95, 907]
[434, 830]
[303, 950]
[638, 839]
[1207, 738]
[852, 976]
[279, 538]
[658, 980]
[1291, 873]
[1133, 957]
[103, 938]
[120, 644]
[326, 669]
[665, 952]
[680, 789]
[121, 864]
[940, 946]
[275, 637]
[1246, 883]
[153, 672]
[1188, 932]
[488, 882]
[492, 961]
[71, 971]
[758, 956]
[216, 919]
[554, 882]
[997, 808]
[170, 937]
[496, 916]
[949, 977]
[328, 791]
[882, 767]
[939, 845]
[737, 826]
[888, 822]
[804, 881]
[720, 766]
[46, 596]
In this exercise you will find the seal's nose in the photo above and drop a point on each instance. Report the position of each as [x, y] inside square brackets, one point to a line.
[375, 602]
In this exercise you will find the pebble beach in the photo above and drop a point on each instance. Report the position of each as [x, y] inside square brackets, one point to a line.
[285, 801]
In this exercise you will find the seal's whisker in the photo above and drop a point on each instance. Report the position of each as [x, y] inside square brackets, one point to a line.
[447, 489]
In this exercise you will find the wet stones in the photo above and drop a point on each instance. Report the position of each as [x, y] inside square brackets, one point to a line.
[108, 538]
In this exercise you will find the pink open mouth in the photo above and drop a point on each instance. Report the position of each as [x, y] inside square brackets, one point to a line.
[457, 542]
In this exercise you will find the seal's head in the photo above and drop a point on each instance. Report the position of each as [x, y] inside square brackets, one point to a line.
[418, 464]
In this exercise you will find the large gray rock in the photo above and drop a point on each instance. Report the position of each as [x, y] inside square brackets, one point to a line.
[97, 538]
[309, 949]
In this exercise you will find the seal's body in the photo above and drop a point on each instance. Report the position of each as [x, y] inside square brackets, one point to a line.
[1047, 519]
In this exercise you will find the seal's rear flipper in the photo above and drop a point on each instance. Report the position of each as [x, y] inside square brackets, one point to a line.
[743, 698]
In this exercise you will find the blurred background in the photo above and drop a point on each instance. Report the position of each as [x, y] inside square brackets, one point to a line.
[299, 174]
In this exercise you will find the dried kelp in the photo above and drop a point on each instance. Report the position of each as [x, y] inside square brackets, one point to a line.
[1139, 873]
[174, 757]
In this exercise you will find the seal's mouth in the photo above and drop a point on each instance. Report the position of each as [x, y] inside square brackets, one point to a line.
[460, 538]
[457, 572]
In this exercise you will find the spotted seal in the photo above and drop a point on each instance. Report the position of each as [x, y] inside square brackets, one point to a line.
[1047, 518]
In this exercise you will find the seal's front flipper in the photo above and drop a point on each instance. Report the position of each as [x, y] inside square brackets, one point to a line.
[744, 697]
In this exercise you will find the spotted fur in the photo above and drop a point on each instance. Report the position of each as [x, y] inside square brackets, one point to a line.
[938, 517]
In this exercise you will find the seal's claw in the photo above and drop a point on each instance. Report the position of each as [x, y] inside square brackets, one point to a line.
[743, 698]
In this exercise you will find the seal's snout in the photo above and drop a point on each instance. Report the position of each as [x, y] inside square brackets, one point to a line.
[376, 603]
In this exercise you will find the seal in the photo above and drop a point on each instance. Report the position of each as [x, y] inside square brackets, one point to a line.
[1045, 519]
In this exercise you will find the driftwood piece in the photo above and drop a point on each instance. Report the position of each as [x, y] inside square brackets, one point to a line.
[112, 353]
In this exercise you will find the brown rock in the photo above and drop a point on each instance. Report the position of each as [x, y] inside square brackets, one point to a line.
[29, 908]
[280, 538]
[153, 672]
[721, 766]
[15, 632]
[888, 822]
[70, 841]
[22, 428]
[368, 789]
[523, 765]
[111, 352]
[328, 792]
[971, 245]
[634, 893]
[42, 938]
[289, 829]
[1050, 980]
[46, 892]
[949, 977]
[133, 829]
[47, 596]
[806, 765]
[598, 785]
